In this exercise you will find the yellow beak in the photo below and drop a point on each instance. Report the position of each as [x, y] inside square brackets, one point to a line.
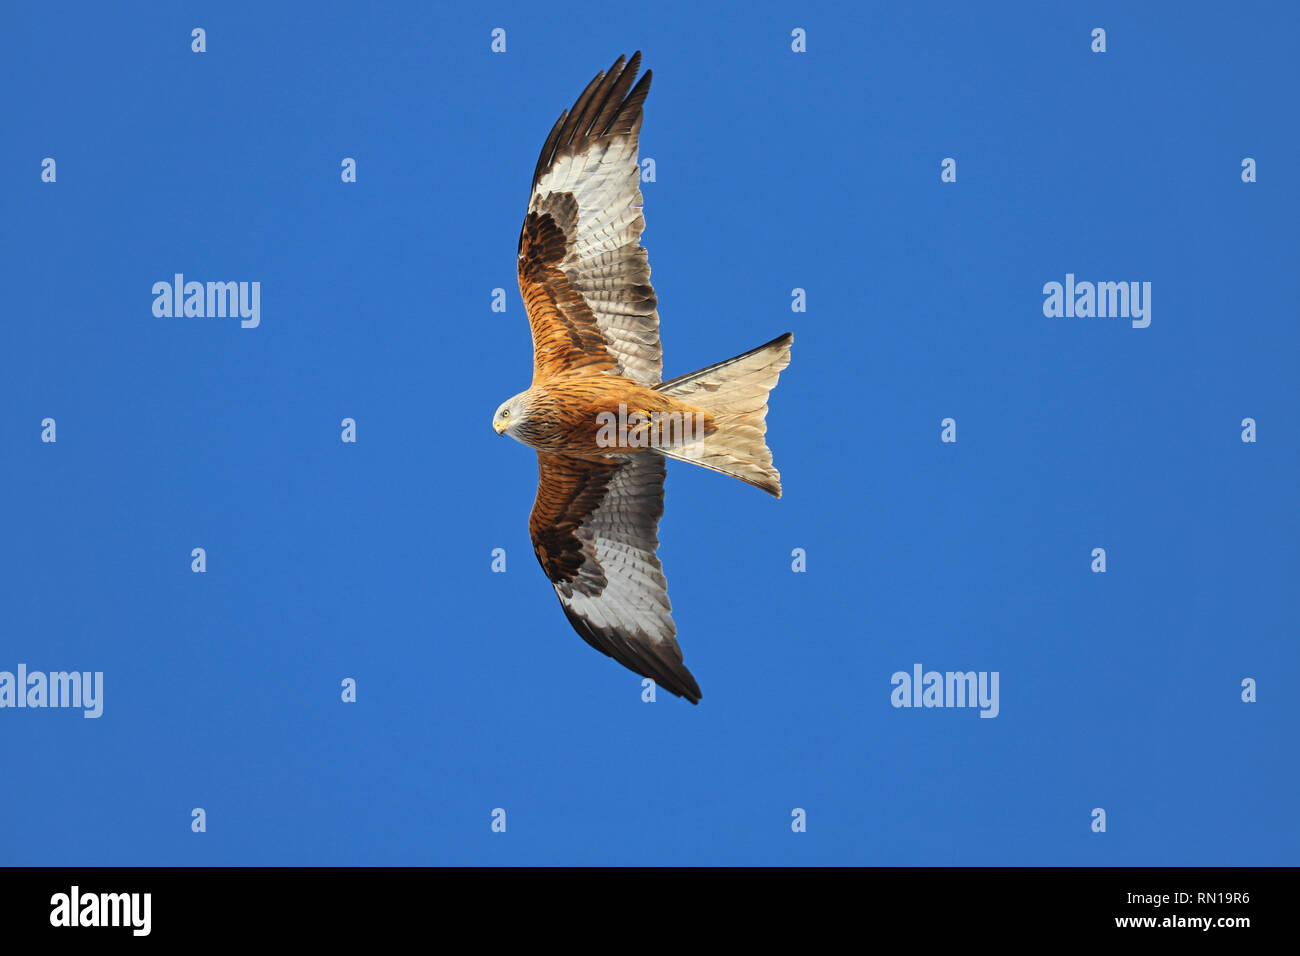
[500, 427]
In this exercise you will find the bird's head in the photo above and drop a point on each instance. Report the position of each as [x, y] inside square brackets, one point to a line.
[511, 416]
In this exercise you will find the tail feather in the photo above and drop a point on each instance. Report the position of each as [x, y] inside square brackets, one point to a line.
[734, 393]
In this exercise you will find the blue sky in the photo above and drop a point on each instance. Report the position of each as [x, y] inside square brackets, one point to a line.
[775, 170]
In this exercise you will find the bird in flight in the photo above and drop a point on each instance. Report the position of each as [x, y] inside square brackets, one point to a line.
[598, 413]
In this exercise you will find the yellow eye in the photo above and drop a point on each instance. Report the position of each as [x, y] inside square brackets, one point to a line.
[505, 413]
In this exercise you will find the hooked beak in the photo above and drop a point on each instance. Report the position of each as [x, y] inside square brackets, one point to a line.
[500, 427]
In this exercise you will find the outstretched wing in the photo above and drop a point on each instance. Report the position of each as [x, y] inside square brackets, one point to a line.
[584, 277]
[595, 531]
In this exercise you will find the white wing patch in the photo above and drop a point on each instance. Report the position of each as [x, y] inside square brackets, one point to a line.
[623, 534]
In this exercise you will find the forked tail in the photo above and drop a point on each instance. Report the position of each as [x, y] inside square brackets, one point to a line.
[734, 393]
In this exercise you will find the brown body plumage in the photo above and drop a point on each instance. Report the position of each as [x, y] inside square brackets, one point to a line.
[597, 412]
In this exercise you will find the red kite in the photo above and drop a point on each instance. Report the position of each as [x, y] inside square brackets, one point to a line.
[600, 417]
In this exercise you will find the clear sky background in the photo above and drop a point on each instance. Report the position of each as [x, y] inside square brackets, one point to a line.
[774, 170]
